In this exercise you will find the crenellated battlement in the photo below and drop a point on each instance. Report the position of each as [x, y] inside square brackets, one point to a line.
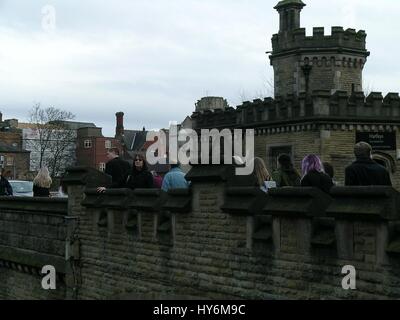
[339, 38]
[321, 104]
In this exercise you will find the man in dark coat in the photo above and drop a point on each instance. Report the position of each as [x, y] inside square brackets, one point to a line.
[117, 168]
[5, 187]
[365, 171]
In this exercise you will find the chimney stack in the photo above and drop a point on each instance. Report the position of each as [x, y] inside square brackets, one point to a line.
[119, 129]
[1, 117]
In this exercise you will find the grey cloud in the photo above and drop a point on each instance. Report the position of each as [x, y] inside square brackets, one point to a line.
[155, 59]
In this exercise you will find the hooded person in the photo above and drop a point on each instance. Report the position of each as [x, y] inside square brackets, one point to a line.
[286, 175]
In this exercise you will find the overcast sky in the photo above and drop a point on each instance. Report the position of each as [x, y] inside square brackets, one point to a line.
[153, 59]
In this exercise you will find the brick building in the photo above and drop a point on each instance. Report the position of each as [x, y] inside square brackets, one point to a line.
[13, 157]
[91, 147]
[319, 106]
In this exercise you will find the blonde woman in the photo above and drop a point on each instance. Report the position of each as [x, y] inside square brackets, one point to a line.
[42, 183]
[262, 175]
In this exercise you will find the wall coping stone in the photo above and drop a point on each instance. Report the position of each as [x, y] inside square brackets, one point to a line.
[295, 201]
[366, 202]
[40, 205]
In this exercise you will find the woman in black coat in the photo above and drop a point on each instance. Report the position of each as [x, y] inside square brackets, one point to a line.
[141, 177]
[314, 175]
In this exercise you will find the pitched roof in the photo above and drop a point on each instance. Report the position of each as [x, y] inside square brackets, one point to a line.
[134, 139]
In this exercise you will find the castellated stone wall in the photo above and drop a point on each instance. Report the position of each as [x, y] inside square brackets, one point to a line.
[220, 239]
[319, 105]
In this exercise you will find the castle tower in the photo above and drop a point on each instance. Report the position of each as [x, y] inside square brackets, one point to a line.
[317, 62]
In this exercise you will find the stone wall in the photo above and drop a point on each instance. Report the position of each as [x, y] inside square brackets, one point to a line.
[238, 242]
[218, 240]
[32, 234]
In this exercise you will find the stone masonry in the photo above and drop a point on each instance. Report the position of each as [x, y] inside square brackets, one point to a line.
[214, 241]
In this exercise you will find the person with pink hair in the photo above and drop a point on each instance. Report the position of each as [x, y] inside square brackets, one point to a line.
[314, 174]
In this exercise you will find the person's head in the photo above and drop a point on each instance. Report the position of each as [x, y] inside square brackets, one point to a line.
[260, 171]
[139, 162]
[311, 163]
[362, 150]
[328, 168]
[7, 173]
[43, 178]
[284, 161]
[112, 153]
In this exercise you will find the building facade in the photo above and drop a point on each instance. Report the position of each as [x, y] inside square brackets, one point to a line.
[59, 143]
[318, 107]
[13, 157]
[92, 146]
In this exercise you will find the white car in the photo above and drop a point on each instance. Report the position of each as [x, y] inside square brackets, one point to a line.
[22, 188]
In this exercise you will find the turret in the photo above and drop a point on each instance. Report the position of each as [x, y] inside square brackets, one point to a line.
[303, 63]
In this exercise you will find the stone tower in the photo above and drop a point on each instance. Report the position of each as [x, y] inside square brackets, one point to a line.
[319, 62]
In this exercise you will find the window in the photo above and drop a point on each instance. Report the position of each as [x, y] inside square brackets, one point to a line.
[87, 144]
[108, 144]
[102, 166]
[10, 161]
[1, 161]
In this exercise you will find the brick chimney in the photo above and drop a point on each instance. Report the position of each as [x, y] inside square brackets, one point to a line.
[119, 129]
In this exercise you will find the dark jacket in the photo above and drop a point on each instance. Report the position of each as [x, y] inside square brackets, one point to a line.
[140, 179]
[40, 191]
[119, 171]
[5, 187]
[286, 177]
[317, 179]
[366, 172]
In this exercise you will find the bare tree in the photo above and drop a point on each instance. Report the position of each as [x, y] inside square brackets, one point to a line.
[265, 91]
[53, 141]
[368, 87]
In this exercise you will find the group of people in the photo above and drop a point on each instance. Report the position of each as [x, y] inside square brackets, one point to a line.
[41, 184]
[314, 173]
[139, 176]
[362, 172]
